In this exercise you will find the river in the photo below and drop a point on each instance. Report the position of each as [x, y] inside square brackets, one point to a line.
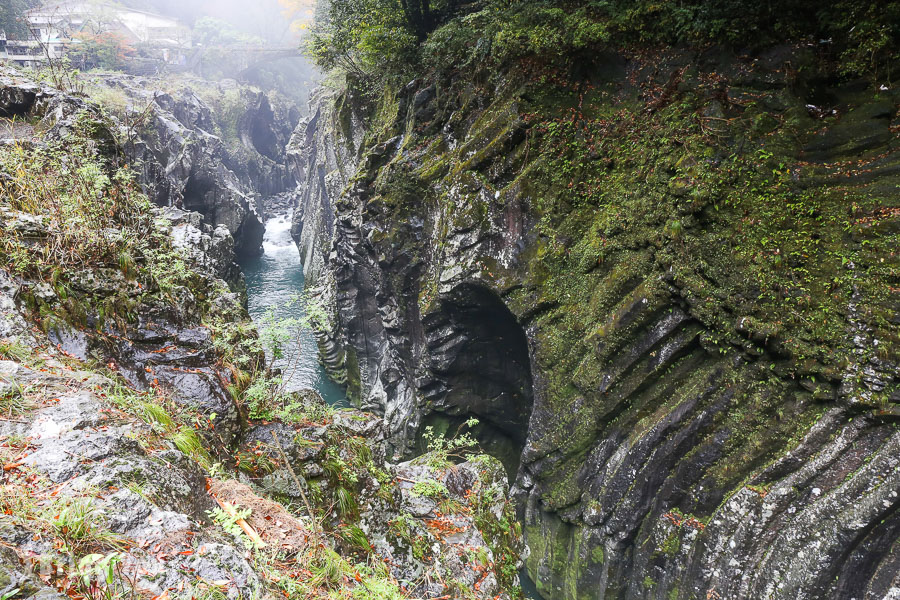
[274, 279]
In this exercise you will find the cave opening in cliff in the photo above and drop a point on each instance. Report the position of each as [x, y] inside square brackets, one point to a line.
[196, 196]
[480, 360]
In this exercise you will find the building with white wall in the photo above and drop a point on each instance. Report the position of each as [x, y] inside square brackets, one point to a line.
[57, 25]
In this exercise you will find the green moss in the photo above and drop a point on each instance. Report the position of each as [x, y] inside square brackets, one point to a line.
[633, 214]
[672, 544]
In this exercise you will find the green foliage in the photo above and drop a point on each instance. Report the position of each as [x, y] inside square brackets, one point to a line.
[187, 440]
[13, 399]
[265, 394]
[495, 518]
[237, 342]
[430, 488]
[152, 409]
[356, 538]
[330, 569]
[546, 29]
[345, 502]
[228, 520]
[443, 449]
[78, 532]
[278, 335]
[228, 107]
[266, 400]
[869, 41]
[672, 544]
[378, 588]
[107, 50]
[12, 350]
[255, 461]
[73, 210]
[12, 20]
[75, 520]
[100, 577]
[380, 40]
[80, 525]
[369, 39]
[89, 212]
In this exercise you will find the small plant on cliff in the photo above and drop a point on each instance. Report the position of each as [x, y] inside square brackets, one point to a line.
[103, 577]
[431, 489]
[13, 399]
[228, 521]
[264, 392]
[80, 525]
[16, 351]
[443, 450]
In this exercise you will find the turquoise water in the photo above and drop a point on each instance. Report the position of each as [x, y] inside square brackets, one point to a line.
[528, 586]
[273, 280]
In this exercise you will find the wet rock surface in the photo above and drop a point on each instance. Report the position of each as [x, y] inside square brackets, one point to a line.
[150, 493]
[123, 444]
[655, 464]
[183, 163]
[443, 529]
[165, 345]
[324, 161]
[440, 529]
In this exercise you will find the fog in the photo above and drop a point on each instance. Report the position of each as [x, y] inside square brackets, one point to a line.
[265, 19]
[260, 24]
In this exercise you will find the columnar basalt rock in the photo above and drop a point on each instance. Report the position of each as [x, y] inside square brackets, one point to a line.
[324, 153]
[678, 447]
[187, 162]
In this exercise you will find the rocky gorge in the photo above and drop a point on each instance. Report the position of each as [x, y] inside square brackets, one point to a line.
[133, 461]
[613, 292]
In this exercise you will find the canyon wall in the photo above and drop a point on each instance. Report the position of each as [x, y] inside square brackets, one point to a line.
[667, 288]
[215, 148]
[129, 438]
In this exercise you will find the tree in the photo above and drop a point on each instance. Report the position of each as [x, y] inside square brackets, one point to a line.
[107, 50]
[300, 13]
[12, 13]
[370, 39]
[418, 17]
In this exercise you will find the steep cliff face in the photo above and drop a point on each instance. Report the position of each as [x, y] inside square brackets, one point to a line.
[220, 161]
[98, 294]
[324, 152]
[669, 292]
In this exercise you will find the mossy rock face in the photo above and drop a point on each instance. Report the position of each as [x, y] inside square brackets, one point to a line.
[705, 278]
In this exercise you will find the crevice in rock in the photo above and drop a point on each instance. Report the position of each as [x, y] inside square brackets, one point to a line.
[16, 103]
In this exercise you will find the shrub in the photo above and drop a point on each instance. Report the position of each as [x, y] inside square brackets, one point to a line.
[378, 40]
[107, 50]
[92, 212]
[369, 39]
